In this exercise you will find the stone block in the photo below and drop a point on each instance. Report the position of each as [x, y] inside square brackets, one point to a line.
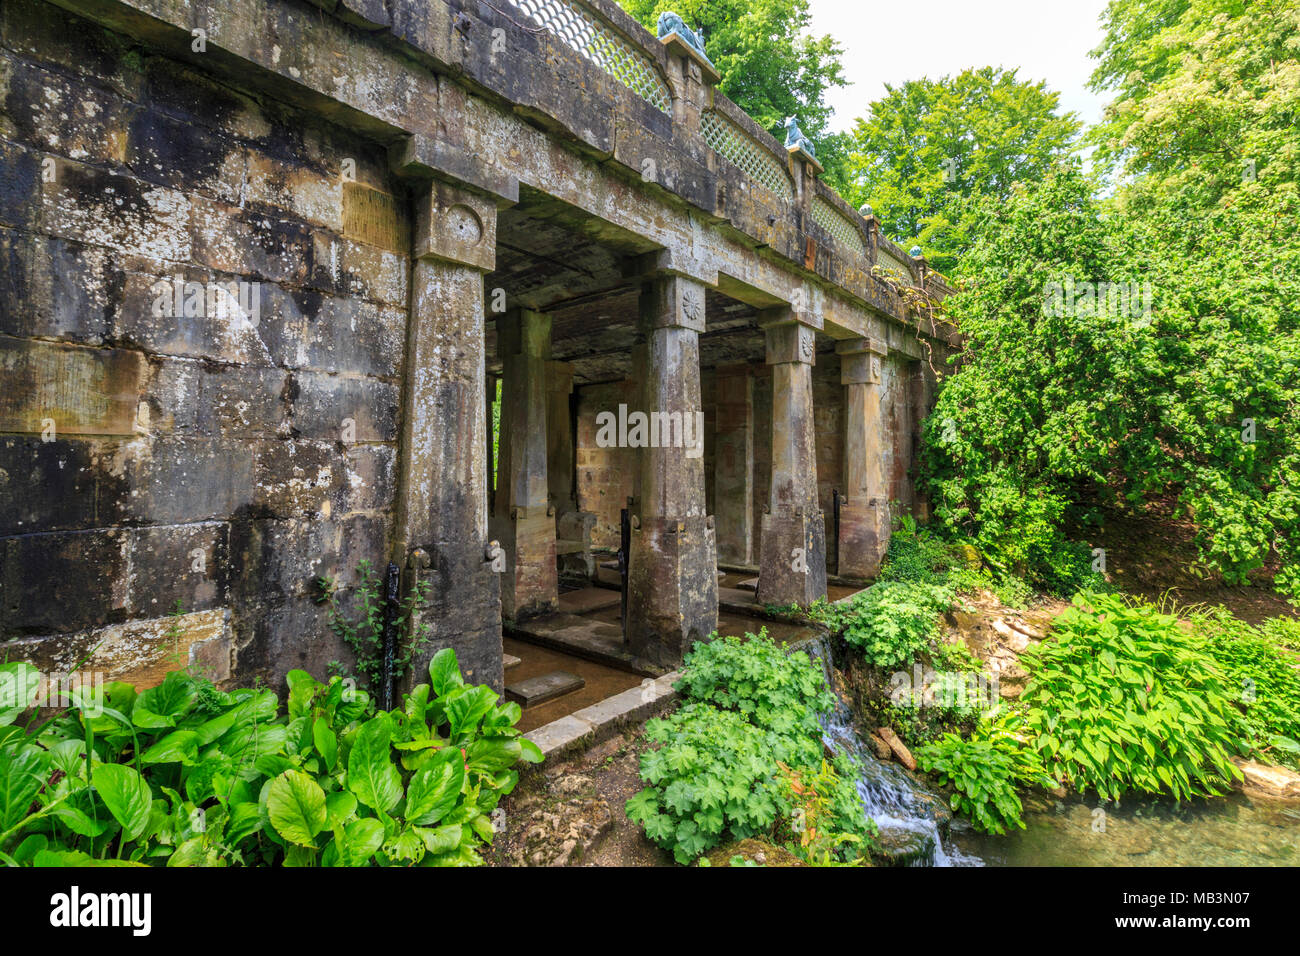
[69, 390]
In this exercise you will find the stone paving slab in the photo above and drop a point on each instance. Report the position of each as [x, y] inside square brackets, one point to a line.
[602, 720]
[544, 687]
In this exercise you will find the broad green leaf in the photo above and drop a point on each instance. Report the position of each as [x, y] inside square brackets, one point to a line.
[126, 794]
[364, 838]
[444, 672]
[325, 741]
[435, 787]
[296, 807]
[372, 777]
[180, 746]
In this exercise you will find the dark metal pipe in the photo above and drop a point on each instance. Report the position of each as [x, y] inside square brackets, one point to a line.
[624, 550]
[835, 509]
[392, 606]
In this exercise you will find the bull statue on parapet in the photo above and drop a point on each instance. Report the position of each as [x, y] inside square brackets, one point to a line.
[795, 139]
[670, 23]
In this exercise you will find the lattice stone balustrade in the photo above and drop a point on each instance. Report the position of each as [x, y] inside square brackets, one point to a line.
[887, 260]
[838, 225]
[584, 32]
[736, 146]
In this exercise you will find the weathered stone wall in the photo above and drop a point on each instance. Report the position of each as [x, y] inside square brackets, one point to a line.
[219, 461]
[606, 476]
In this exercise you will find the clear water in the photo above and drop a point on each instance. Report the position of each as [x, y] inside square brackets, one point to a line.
[1228, 831]
[1235, 830]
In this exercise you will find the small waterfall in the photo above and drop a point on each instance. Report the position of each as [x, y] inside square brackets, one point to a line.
[904, 812]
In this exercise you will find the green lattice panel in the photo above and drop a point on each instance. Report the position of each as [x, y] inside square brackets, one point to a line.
[591, 37]
[734, 145]
[887, 260]
[838, 225]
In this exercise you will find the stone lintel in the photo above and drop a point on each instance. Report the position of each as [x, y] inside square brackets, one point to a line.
[669, 262]
[456, 225]
[421, 157]
[865, 343]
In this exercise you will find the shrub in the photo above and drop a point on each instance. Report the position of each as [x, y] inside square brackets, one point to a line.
[920, 555]
[985, 770]
[1123, 699]
[891, 622]
[186, 775]
[715, 773]
[751, 711]
[1266, 679]
[776, 691]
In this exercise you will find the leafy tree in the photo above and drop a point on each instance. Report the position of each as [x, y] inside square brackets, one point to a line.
[771, 68]
[1207, 96]
[931, 150]
[1186, 392]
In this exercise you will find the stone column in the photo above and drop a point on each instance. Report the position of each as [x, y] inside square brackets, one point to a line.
[559, 435]
[523, 521]
[733, 469]
[864, 513]
[440, 525]
[792, 551]
[925, 385]
[672, 580]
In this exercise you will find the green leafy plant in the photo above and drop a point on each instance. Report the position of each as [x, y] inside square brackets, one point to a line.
[892, 622]
[985, 769]
[186, 775]
[750, 708]
[776, 691]
[1265, 677]
[713, 774]
[363, 629]
[1122, 698]
[816, 796]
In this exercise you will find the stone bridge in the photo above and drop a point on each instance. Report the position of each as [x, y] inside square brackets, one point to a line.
[268, 264]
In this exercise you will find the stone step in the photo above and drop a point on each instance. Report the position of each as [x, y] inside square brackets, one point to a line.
[538, 690]
[508, 661]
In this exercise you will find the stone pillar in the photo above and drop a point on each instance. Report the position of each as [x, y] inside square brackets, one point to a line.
[559, 435]
[792, 550]
[672, 580]
[925, 385]
[523, 521]
[733, 468]
[864, 512]
[440, 527]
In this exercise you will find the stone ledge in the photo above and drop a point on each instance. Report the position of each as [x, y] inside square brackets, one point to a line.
[602, 720]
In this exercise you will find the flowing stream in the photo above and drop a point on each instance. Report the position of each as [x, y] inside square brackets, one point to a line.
[910, 818]
[1235, 830]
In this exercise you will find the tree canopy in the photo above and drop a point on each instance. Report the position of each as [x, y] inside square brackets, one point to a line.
[930, 151]
[771, 67]
[1186, 395]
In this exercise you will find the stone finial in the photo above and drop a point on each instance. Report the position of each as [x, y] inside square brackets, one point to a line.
[795, 139]
[914, 252]
[866, 212]
[670, 23]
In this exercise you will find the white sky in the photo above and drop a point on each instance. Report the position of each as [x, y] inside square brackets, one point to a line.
[891, 42]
